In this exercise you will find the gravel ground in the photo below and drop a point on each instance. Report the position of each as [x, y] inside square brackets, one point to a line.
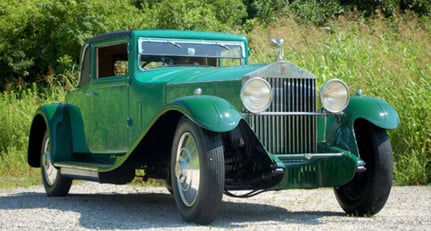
[93, 206]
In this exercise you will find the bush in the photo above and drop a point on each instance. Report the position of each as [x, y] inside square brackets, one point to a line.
[316, 11]
[422, 7]
[219, 15]
[46, 35]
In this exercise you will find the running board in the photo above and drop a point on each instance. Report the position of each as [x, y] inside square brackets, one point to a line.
[83, 174]
[79, 170]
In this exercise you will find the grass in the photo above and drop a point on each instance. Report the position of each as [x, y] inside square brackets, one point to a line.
[17, 109]
[386, 58]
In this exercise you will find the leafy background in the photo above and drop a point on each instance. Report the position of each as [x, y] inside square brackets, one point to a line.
[380, 46]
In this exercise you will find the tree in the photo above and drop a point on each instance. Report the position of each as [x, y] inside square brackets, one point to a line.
[207, 15]
[45, 36]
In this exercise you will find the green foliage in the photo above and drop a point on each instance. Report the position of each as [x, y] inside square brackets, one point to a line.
[46, 35]
[266, 11]
[219, 15]
[316, 11]
[413, 138]
[421, 7]
[17, 109]
[368, 7]
[389, 7]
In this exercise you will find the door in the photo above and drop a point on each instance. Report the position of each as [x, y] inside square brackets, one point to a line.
[107, 130]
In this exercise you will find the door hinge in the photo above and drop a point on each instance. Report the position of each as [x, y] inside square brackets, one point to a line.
[129, 122]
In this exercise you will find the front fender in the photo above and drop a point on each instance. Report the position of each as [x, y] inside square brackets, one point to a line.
[340, 130]
[210, 112]
[376, 111]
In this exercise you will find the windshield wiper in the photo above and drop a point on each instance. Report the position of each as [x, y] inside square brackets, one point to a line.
[224, 46]
[174, 44]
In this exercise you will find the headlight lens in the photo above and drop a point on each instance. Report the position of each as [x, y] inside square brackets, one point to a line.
[334, 95]
[256, 95]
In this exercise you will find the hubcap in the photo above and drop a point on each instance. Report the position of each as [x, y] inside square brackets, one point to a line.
[187, 169]
[49, 170]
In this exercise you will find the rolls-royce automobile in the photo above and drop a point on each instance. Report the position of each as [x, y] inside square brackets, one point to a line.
[187, 108]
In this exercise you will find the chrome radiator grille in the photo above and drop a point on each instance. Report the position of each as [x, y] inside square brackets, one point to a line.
[288, 126]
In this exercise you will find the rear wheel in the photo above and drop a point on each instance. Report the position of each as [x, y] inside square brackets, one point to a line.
[54, 183]
[197, 172]
[367, 193]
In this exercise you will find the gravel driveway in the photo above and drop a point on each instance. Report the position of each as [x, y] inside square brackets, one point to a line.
[93, 206]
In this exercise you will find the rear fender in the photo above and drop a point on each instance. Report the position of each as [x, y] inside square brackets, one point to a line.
[65, 127]
[210, 112]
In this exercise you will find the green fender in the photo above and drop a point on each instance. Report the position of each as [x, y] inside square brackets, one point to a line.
[341, 133]
[65, 127]
[50, 112]
[376, 111]
[210, 112]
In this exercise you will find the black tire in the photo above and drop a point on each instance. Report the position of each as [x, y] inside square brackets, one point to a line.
[169, 185]
[367, 193]
[54, 183]
[197, 172]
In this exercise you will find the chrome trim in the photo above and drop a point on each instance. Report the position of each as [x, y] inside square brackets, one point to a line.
[325, 113]
[81, 172]
[245, 98]
[322, 98]
[309, 156]
[278, 44]
[290, 123]
[361, 169]
[51, 172]
[187, 169]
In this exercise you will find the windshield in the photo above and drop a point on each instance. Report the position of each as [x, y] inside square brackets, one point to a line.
[191, 52]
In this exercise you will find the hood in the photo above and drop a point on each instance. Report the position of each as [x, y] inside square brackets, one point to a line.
[176, 75]
[225, 82]
[184, 74]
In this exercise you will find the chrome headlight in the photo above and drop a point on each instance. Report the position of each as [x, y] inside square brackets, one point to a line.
[256, 95]
[334, 95]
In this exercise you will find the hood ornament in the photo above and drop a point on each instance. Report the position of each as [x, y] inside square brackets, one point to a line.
[278, 44]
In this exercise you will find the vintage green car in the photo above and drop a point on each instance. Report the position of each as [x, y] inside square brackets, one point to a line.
[187, 107]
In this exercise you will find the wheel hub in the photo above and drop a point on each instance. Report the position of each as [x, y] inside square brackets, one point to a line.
[48, 168]
[187, 170]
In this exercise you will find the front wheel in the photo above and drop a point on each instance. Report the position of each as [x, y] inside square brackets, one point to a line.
[367, 193]
[54, 183]
[197, 172]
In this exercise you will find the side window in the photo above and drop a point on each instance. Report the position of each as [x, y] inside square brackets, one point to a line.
[111, 60]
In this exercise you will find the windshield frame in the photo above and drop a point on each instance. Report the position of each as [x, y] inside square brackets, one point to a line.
[192, 48]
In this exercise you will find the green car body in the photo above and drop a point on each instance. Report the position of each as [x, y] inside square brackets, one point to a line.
[135, 96]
